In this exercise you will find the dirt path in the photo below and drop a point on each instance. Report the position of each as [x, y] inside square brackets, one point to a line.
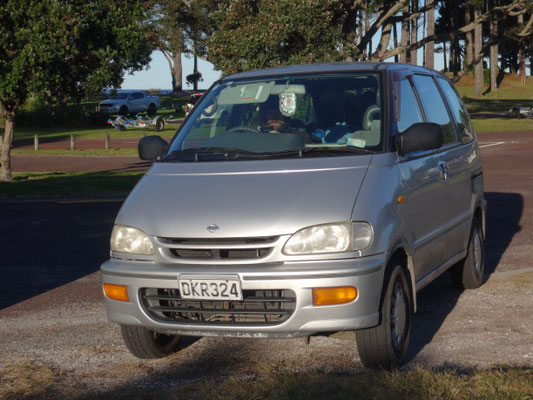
[29, 163]
[65, 330]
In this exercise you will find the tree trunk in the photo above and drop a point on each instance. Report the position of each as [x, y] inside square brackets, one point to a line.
[367, 28]
[469, 43]
[444, 55]
[430, 47]
[414, 33]
[454, 40]
[493, 53]
[404, 41]
[478, 40]
[195, 71]
[5, 156]
[176, 70]
[177, 74]
[395, 40]
[522, 54]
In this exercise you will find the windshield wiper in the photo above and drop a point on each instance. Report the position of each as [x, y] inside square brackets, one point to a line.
[321, 151]
[196, 152]
[225, 153]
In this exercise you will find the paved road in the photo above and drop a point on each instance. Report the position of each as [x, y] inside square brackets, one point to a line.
[48, 244]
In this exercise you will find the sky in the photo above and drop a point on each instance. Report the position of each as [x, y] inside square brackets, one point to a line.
[158, 75]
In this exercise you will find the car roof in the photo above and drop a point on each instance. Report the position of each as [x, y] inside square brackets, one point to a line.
[330, 67]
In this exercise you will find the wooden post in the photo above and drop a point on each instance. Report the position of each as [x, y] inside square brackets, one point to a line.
[107, 140]
[36, 142]
[72, 142]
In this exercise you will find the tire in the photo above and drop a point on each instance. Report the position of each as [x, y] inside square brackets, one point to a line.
[152, 109]
[159, 124]
[385, 345]
[147, 344]
[516, 112]
[123, 110]
[468, 273]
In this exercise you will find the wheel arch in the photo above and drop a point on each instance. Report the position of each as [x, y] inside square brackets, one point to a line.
[399, 254]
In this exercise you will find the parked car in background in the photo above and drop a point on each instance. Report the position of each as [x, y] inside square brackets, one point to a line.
[126, 102]
[301, 201]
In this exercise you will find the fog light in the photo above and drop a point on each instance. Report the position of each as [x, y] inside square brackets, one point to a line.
[116, 292]
[334, 295]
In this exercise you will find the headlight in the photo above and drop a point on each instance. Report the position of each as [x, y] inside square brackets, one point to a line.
[125, 239]
[330, 238]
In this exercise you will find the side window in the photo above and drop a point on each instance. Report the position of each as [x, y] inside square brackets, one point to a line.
[466, 133]
[434, 107]
[409, 109]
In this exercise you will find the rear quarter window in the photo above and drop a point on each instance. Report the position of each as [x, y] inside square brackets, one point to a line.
[434, 106]
[460, 114]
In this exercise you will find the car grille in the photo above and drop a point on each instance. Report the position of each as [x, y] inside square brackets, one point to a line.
[258, 307]
[221, 249]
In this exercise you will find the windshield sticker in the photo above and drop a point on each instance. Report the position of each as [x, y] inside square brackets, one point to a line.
[287, 103]
[245, 94]
[356, 142]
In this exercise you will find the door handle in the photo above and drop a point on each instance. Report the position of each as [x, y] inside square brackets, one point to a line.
[444, 171]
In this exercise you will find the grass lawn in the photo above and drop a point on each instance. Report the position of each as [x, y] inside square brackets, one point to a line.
[69, 185]
[32, 381]
[64, 133]
[502, 124]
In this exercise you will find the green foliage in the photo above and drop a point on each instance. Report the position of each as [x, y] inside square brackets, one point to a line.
[68, 48]
[268, 33]
[194, 78]
[39, 115]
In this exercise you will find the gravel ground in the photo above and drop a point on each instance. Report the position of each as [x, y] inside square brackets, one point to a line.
[462, 330]
[66, 328]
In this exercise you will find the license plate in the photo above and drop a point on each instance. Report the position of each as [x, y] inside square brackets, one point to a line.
[210, 289]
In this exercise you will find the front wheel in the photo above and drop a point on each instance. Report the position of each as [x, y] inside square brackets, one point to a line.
[159, 124]
[123, 111]
[144, 343]
[385, 345]
[468, 274]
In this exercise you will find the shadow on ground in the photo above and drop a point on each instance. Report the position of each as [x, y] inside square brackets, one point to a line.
[47, 244]
[436, 301]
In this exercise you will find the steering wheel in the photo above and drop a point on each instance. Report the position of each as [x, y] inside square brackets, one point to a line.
[242, 129]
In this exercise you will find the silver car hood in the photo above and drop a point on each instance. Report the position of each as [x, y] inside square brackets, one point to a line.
[244, 198]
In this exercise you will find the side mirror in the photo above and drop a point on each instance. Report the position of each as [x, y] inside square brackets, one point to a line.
[152, 147]
[419, 137]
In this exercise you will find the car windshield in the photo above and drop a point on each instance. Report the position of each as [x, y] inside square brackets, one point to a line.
[315, 114]
[120, 96]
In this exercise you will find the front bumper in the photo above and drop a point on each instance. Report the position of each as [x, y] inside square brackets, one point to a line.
[365, 273]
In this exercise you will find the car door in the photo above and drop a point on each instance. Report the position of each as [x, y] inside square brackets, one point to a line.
[136, 102]
[422, 209]
[450, 165]
[460, 161]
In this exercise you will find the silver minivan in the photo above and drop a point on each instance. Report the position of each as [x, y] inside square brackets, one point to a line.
[299, 201]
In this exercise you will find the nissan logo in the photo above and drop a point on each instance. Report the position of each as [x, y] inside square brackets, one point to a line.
[213, 228]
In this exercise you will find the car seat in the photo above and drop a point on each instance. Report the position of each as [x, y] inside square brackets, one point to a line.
[371, 132]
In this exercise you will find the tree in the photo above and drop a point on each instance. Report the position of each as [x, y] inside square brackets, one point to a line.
[169, 39]
[430, 46]
[69, 47]
[478, 42]
[267, 33]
